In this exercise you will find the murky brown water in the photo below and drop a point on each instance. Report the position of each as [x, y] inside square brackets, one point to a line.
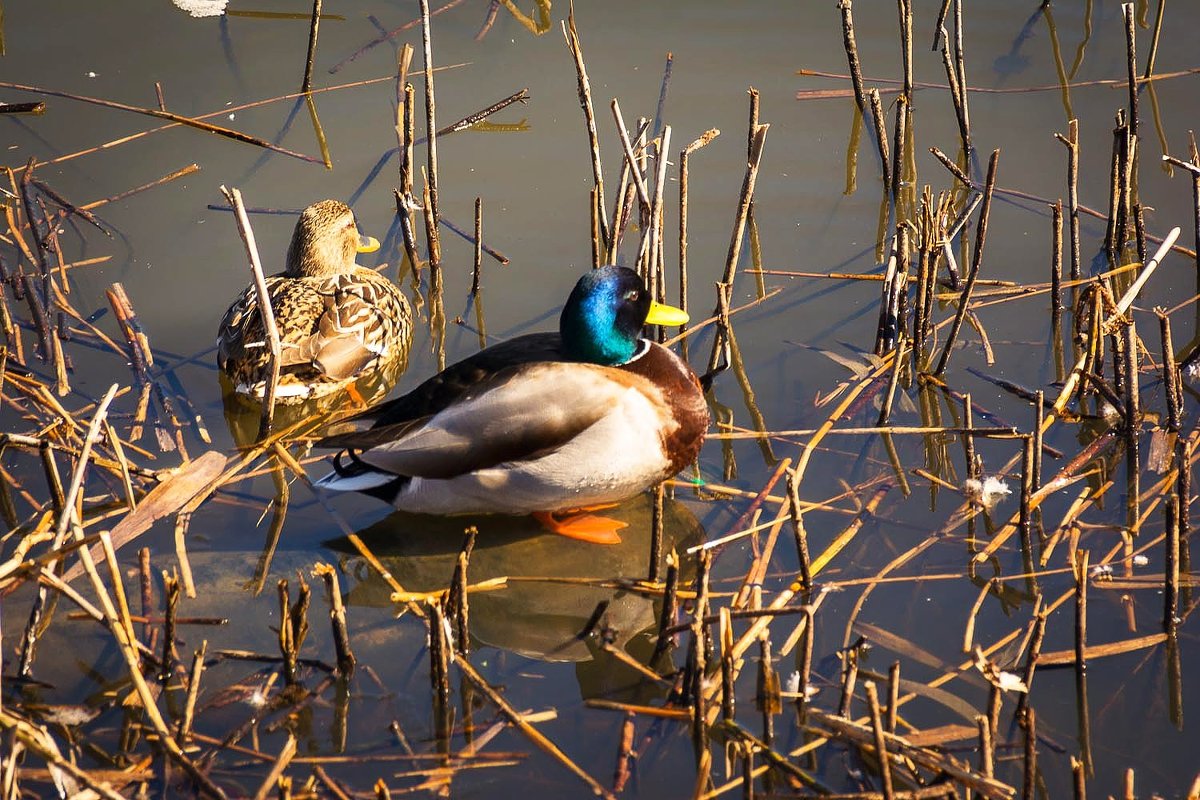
[182, 262]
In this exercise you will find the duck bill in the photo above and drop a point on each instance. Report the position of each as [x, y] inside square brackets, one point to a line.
[666, 315]
[367, 244]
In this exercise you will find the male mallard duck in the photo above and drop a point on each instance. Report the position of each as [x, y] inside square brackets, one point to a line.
[336, 320]
[544, 423]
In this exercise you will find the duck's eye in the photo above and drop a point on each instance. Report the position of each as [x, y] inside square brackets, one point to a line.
[631, 295]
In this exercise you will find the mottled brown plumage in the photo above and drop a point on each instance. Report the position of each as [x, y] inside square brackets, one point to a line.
[336, 320]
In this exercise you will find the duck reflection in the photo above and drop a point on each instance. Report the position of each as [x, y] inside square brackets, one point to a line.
[553, 607]
[242, 412]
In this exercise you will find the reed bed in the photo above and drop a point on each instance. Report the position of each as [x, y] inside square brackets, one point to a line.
[763, 669]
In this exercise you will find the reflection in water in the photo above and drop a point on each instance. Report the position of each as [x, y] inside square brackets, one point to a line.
[553, 586]
[242, 412]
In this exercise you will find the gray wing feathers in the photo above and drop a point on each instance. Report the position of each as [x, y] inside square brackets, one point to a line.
[503, 421]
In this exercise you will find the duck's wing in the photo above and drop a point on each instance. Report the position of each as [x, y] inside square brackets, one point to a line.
[335, 326]
[358, 316]
[240, 336]
[452, 383]
[517, 414]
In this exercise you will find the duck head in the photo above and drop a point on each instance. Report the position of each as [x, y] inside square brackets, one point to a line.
[325, 241]
[603, 319]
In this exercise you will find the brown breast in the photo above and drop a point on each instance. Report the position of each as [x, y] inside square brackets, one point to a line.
[685, 402]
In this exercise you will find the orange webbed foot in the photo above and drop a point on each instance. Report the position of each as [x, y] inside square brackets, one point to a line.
[578, 524]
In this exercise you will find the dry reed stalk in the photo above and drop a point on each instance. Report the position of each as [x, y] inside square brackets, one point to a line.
[904, 7]
[1131, 63]
[655, 279]
[121, 628]
[519, 721]
[987, 747]
[431, 179]
[439, 668]
[190, 122]
[1029, 785]
[621, 204]
[976, 261]
[881, 141]
[306, 84]
[355, 540]
[1056, 227]
[961, 108]
[1115, 194]
[477, 262]
[169, 656]
[1025, 512]
[885, 765]
[193, 692]
[631, 159]
[67, 510]
[903, 116]
[670, 608]
[725, 637]
[851, 47]
[585, 101]
[767, 697]
[746, 198]
[1133, 417]
[263, 298]
[1171, 565]
[1158, 21]
[893, 706]
[862, 735]
[337, 618]
[849, 679]
[1035, 649]
[885, 411]
[25, 735]
[274, 781]
[1080, 568]
[406, 202]
[293, 627]
[475, 118]
[459, 604]
[389, 35]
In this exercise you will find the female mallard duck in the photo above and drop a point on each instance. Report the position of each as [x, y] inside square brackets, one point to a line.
[336, 320]
[542, 424]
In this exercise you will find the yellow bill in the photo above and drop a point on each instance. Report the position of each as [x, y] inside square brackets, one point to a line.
[666, 315]
[367, 244]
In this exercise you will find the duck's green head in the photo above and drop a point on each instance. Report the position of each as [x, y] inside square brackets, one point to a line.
[604, 316]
